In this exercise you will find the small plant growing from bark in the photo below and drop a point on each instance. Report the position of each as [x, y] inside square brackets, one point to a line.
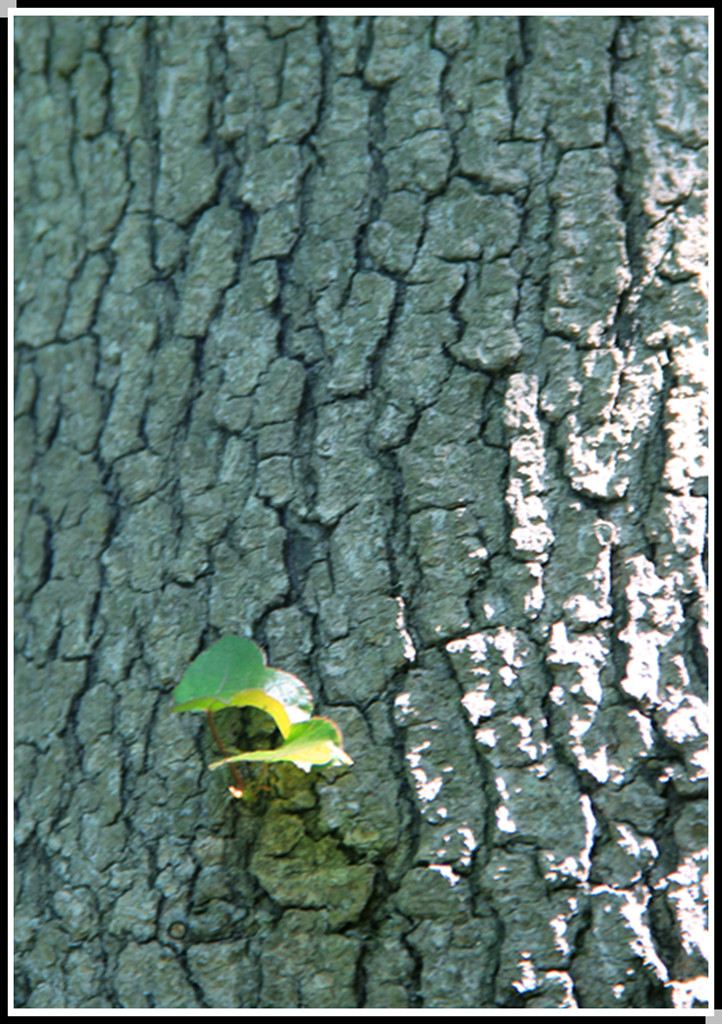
[233, 673]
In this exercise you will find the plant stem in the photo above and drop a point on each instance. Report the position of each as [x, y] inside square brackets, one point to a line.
[219, 741]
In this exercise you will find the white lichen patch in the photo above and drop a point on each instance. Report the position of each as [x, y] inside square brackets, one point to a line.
[688, 892]
[604, 436]
[478, 704]
[470, 844]
[655, 616]
[688, 716]
[503, 820]
[586, 652]
[645, 728]
[532, 537]
[693, 991]
[559, 927]
[485, 736]
[677, 526]
[447, 872]
[634, 912]
[534, 597]
[495, 654]
[528, 975]
[402, 703]
[427, 789]
[598, 764]
[526, 743]
[686, 426]
[409, 649]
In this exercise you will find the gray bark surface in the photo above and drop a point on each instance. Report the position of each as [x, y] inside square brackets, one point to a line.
[381, 341]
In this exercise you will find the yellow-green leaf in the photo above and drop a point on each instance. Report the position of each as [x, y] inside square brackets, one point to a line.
[317, 741]
[259, 699]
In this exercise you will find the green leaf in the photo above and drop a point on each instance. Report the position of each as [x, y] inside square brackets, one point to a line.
[233, 673]
[317, 741]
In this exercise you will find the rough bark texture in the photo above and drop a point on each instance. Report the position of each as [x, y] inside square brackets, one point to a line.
[382, 341]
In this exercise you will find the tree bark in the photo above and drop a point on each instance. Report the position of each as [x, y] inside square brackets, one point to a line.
[381, 341]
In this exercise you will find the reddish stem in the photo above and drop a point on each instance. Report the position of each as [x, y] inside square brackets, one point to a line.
[236, 775]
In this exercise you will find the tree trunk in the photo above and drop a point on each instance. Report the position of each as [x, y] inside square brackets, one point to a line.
[380, 341]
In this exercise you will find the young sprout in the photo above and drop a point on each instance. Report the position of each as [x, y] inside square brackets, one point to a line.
[233, 673]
